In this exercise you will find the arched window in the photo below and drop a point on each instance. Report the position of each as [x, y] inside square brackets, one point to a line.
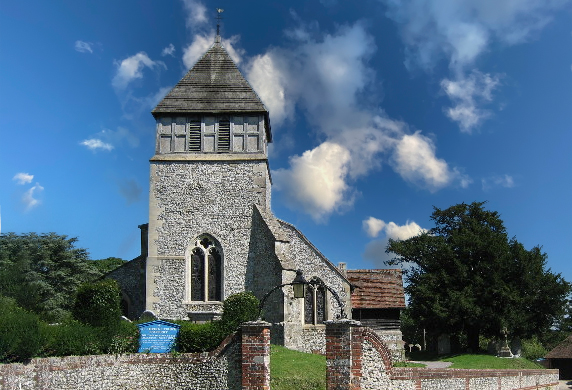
[315, 303]
[205, 270]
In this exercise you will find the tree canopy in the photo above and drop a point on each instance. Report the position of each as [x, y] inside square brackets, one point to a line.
[466, 277]
[42, 272]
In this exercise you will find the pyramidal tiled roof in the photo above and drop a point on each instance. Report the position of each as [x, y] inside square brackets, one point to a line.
[213, 85]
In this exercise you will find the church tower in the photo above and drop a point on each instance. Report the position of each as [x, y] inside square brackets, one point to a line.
[208, 176]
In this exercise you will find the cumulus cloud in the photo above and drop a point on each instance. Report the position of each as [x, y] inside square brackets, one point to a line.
[130, 190]
[505, 181]
[23, 178]
[131, 68]
[316, 180]
[168, 51]
[30, 199]
[83, 47]
[108, 139]
[467, 93]
[375, 250]
[373, 226]
[460, 32]
[326, 77]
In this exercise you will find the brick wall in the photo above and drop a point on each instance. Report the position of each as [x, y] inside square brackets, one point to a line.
[357, 359]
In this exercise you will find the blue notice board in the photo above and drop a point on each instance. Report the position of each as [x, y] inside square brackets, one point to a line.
[157, 336]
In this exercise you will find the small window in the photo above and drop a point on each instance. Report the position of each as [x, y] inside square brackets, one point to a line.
[315, 303]
[205, 270]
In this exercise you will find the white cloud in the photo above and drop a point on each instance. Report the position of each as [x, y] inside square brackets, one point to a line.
[316, 180]
[131, 68]
[168, 51]
[375, 250]
[96, 144]
[109, 139]
[83, 47]
[505, 181]
[23, 178]
[196, 14]
[461, 31]
[373, 226]
[326, 77]
[30, 197]
[467, 93]
[414, 159]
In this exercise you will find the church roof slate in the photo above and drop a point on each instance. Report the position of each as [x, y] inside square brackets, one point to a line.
[213, 85]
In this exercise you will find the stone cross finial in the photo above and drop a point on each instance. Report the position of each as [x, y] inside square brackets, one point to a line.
[218, 19]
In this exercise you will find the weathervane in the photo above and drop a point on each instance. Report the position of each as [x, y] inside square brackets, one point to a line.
[218, 19]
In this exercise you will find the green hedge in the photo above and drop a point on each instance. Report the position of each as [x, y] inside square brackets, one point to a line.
[237, 308]
[98, 303]
[20, 336]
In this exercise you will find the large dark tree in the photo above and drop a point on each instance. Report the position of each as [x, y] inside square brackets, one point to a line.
[466, 277]
[42, 272]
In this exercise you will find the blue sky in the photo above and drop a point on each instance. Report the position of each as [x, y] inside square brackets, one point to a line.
[380, 110]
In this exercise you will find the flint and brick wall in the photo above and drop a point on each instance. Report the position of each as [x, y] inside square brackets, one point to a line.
[357, 359]
[237, 362]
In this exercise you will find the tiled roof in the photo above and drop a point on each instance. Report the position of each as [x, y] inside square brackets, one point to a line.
[213, 85]
[377, 288]
[562, 350]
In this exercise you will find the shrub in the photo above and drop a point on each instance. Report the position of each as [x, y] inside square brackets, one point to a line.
[532, 349]
[126, 340]
[98, 303]
[239, 308]
[200, 337]
[20, 337]
[72, 338]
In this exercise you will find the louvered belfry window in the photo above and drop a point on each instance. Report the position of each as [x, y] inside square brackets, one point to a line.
[205, 271]
[195, 134]
[223, 134]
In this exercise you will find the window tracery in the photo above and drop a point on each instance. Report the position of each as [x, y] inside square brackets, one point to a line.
[315, 303]
[205, 281]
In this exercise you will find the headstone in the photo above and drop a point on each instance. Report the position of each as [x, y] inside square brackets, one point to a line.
[516, 347]
[157, 336]
[444, 344]
[148, 315]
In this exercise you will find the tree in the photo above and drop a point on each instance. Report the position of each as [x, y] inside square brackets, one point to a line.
[98, 303]
[466, 277]
[107, 265]
[42, 272]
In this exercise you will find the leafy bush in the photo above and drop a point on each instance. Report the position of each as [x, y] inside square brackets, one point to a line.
[126, 340]
[20, 337]
[98, 303]
[200, 337]
[239, 308]
[72, 338]
[532, 349]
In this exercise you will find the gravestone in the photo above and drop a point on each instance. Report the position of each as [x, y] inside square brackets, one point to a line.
[444, 344]
[157, 336]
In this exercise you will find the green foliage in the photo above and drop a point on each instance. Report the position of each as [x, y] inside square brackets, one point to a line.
[125, 340]
[105, 266]
[200, 337]
[98, 303]
[533, 349]
[466, 278]
[72, 338]
[239, 308]
[42, 272]
[20, 337]
[296, 370]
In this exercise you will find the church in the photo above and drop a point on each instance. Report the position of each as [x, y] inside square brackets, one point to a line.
[211, 231]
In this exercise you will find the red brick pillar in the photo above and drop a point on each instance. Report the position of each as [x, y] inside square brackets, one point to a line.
[255, 355]
[343, 355]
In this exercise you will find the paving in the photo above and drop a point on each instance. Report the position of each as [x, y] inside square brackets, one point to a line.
[565, 385]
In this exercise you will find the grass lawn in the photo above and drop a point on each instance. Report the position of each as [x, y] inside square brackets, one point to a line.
[488, 361]
[296, 370]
